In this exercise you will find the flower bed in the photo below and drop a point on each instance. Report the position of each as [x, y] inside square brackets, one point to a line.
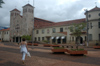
[46, 45]
[29, 44]
[35, 44]
[96, 47]
[55, 45]
[77, 52]
[58, 50]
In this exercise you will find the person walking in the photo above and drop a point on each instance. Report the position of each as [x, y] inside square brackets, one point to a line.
[24, 49]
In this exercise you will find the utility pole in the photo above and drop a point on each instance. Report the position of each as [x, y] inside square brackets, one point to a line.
[33, 26]
[87, 27]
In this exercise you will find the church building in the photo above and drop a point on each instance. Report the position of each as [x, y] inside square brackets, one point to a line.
[53, 32]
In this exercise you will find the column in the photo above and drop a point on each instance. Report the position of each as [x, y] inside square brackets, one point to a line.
[50, 41]
[61, 41]
[11, 39]
[18, 39]
[14, 39]
[56, 41]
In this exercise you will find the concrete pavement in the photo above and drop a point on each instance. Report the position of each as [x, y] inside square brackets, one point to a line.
[42, 56]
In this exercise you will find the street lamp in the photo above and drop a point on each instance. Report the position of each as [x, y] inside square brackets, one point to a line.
[87, 26]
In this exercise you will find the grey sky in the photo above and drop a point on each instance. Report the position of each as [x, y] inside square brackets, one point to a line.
[53, 10]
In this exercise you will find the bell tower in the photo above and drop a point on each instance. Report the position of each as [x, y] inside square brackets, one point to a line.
[27, 23]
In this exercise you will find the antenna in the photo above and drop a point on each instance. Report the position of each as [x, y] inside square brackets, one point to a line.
[96, 4]
[15, 6]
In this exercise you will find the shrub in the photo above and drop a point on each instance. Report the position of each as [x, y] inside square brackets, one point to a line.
[77, 49]
[58, 48]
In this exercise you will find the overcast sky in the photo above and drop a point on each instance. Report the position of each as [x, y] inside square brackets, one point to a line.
[52, 10]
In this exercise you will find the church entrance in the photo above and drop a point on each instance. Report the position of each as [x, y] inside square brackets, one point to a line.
[17, 39]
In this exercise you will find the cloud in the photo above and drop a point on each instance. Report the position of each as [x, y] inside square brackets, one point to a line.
[53, 10]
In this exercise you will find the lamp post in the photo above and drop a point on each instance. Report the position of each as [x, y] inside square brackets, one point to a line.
[33, 26]
[87, 26]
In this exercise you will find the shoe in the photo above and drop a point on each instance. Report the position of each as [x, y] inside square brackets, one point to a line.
[28, 54]
[23, 62]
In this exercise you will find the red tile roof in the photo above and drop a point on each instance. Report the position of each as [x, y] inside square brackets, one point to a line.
[28, 5]
[95, 9]
[5, 29]
[38, 23]
[60, 23]
[15, 10]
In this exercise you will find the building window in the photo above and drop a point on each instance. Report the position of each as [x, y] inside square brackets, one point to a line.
[38, 38]
[99, 24]
[42, 38]
[35, 39]
[7, 32]
[99, 14]
[90, 37]
[85, 38]
[99, 37]
[43, 31]
[53, 30]
[89, 15]
[90, 25]
[48, 31]
[37, 32]
[61, 29]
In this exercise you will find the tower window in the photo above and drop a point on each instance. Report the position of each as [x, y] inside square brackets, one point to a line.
[89, 15]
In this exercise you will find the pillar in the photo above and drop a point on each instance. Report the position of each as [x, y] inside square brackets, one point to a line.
[50, 41]
[56, 41]
[61, 41]
[14, 39]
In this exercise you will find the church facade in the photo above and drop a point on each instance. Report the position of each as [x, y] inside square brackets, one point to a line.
[44, 30]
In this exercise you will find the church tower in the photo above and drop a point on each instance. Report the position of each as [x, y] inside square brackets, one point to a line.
[27, 23]
[15, 25]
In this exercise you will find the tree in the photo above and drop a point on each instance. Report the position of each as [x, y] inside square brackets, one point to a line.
[27, 37]
[76, 30]
[1, 2]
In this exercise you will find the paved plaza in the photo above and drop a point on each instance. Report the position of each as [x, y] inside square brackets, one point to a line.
[42, 56]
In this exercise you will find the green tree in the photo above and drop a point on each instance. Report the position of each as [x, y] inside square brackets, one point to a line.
[27, 37]
[1, 2]
[76, 30]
